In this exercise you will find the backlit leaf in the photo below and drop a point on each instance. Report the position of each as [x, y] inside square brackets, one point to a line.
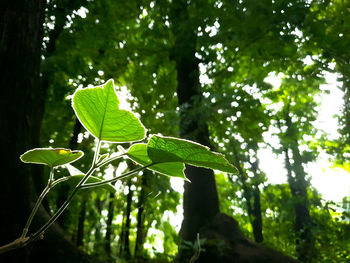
[51, 156]
[138, 153]
[98, 111]
[167, 149]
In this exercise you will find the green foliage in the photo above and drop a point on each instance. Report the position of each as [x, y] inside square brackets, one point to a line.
[138, 153]
[51, 157]
[98, 110]
[166, 149]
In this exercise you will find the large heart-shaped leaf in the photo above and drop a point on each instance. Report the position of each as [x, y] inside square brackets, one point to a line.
[138, 153]
[167, 149]
[77, 175]
[98, 111]
[51, 157]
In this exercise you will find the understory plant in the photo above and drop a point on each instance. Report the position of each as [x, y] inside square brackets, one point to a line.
[97, 109]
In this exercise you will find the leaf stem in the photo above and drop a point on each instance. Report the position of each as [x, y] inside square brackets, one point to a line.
[97, 153]
[85, 186]
[38, 203]
[63, 207]
[18, 243]
[104, 162]
[59, 181]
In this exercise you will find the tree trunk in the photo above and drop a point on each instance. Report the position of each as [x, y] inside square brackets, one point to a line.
[22, 105]
[257, 218]
[140, 232]
[251, 194]
[81, 223]
[199, 208]
[126, 240]
[121, 239]
[201, 203]
[109, 224]
[304, 244]
[73, 143]
[98, 236]
[298, 186]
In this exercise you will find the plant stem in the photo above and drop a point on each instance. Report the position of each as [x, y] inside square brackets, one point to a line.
[85, 186]
[109, 160]
[97, 152]
[18, 243]
[38, 203]
[59, 181]
[63, 207]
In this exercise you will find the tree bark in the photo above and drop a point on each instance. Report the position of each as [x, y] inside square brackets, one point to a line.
[109, 224]
[73, 143]
[199, 208]
[298, 186]
[81, 223]
[98, 227]
[22, 105]
[251, 194]
[140, 228]
[126, 231]
[201, 203]
[257, 218]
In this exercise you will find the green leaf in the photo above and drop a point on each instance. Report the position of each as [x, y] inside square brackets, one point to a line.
[98, 111]
[77, 175]
[138, 153]
[51, 156]
[167, 149]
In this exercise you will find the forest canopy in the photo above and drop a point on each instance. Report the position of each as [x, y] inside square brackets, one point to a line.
[240, 87]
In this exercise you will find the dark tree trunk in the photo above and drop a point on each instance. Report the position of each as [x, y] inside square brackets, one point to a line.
[98, 227]
[128, 222]
[251, 194]
[346, 111]
[298, 186]
[199, 208]
[109, 224]
[140, 228]
[223, 232]
[73, 143]
[257, 218]
[126, 241]
[22, 104]
[81, 223]
[302, 215]
[201, 203]
[121, 239]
